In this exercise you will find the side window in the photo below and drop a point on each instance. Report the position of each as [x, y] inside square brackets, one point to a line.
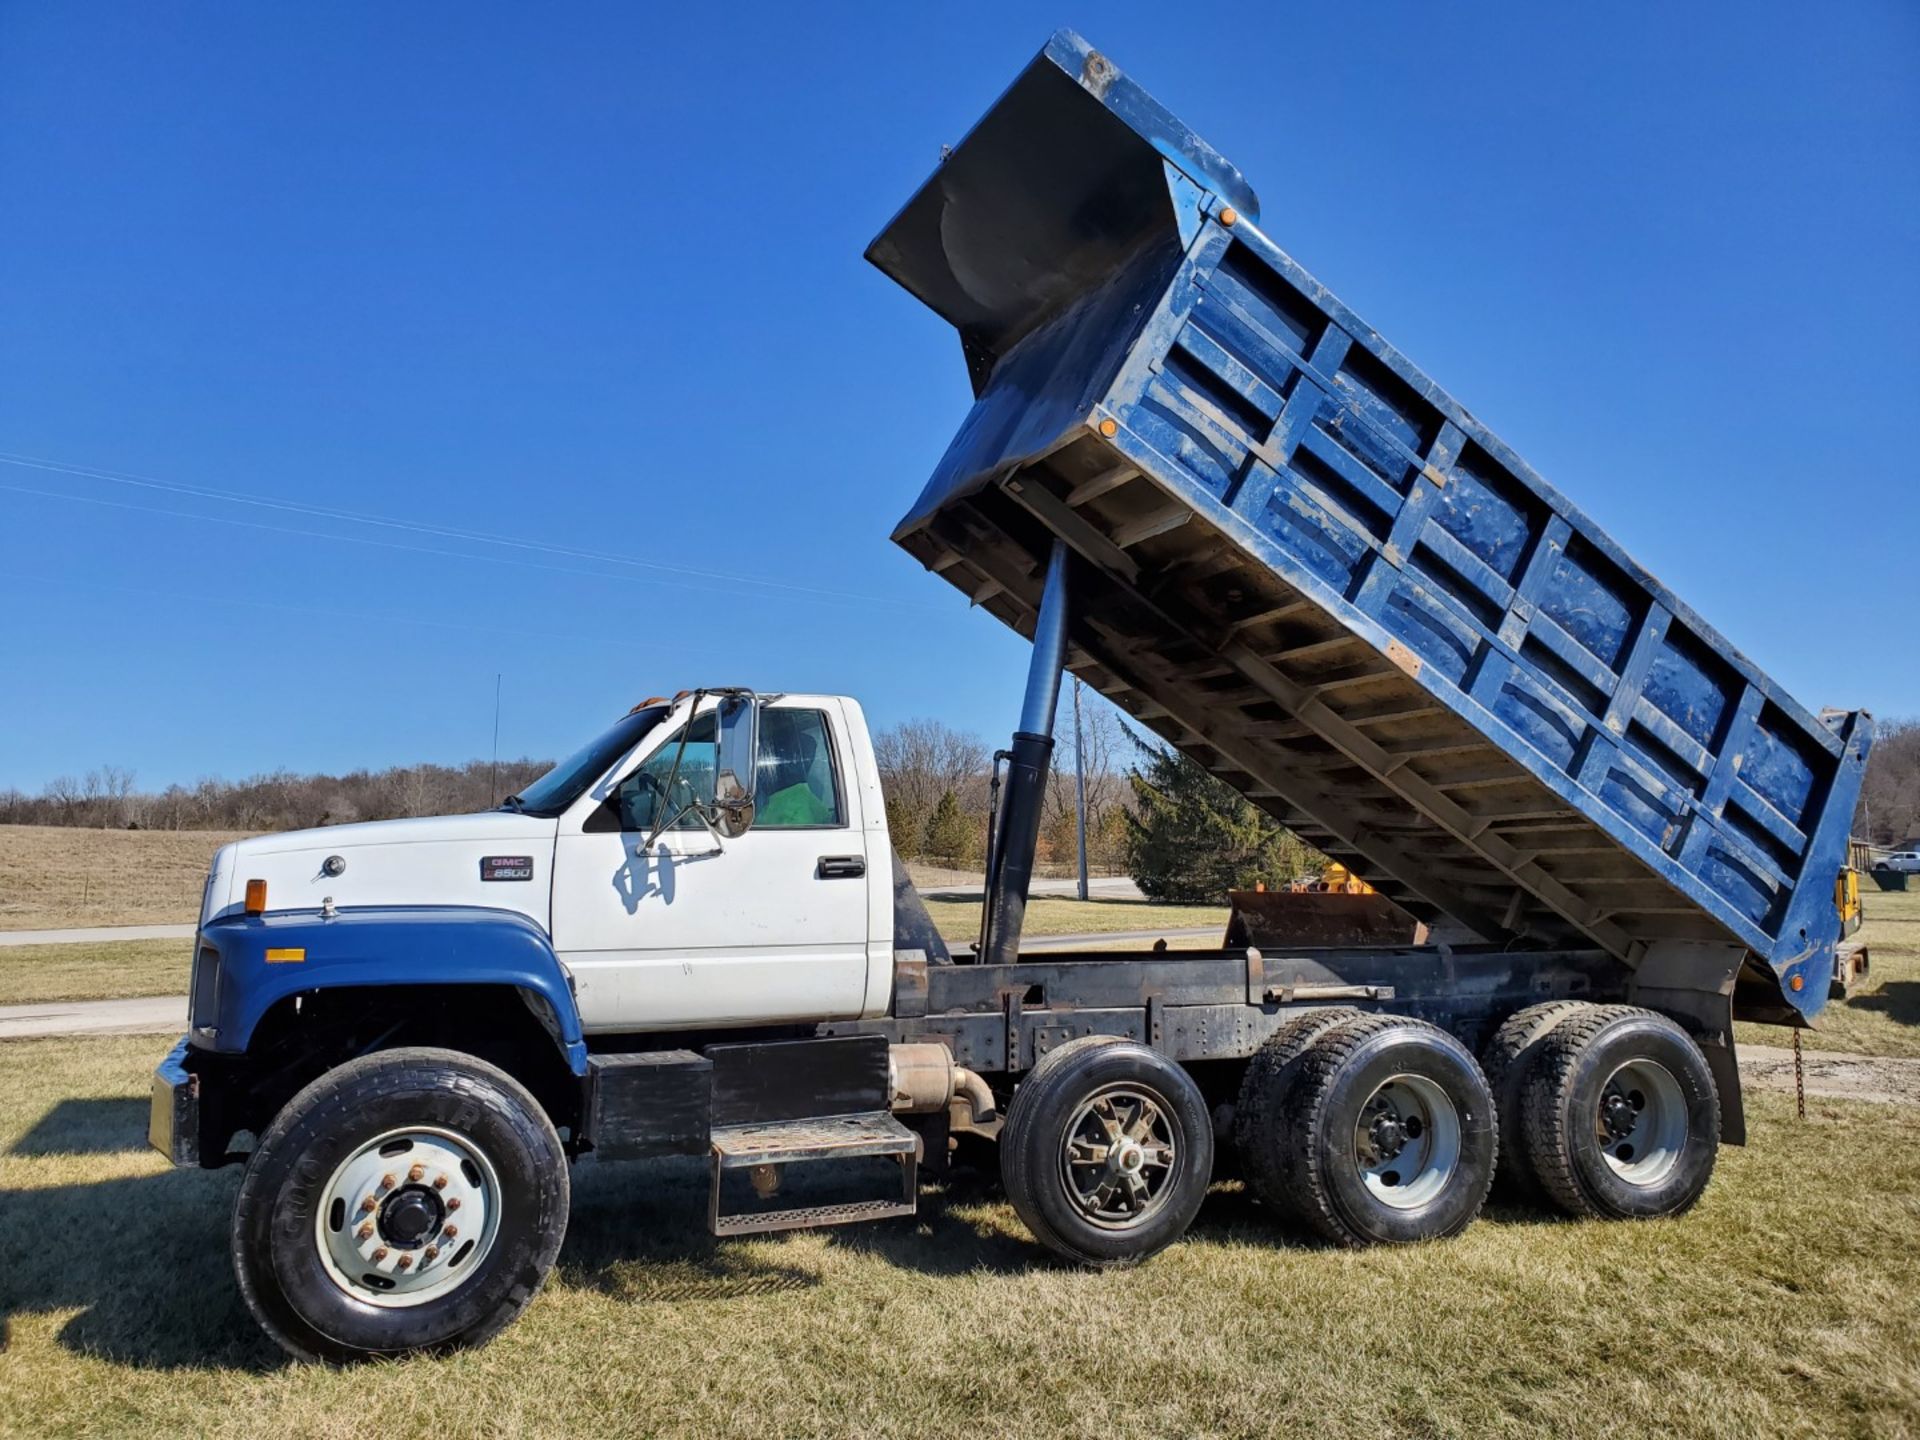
[643, 794]
[794, 785]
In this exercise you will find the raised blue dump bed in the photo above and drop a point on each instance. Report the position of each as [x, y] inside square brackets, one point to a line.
[1302, 562]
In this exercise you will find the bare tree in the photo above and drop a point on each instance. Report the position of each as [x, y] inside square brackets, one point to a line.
[922, 760]
[1889, 810]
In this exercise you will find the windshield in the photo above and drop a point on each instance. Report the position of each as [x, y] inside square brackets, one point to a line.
[554, 791]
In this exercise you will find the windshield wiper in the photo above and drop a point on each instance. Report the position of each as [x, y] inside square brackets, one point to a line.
[513, 803]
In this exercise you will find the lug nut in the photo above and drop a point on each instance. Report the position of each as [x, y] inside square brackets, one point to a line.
[365, 1232]
[433, 1252]
[452, 1232]
[454, 1204]
[379, 1254]
[370, 1203]
[405, 1262]
[416, 1173]
[439, 1182]
[386, 1181]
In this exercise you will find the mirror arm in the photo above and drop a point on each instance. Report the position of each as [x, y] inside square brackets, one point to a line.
[659, 827]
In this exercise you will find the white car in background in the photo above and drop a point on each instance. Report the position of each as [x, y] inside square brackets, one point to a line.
[1906, 861]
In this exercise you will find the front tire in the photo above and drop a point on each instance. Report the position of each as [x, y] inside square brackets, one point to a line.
[1107, 1151]
[410, 1200]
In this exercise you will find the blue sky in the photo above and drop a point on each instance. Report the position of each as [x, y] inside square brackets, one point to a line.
[591, 278]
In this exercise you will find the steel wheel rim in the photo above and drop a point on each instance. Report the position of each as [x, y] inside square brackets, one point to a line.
[1641, 1124]
[408, 1216]
[1406, 1141]
[1119, 1154]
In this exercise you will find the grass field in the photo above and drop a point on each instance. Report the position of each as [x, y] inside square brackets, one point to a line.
[1788, 1304]
[1052, 915]
[1883, 1018]
[119, 970]
[53, 877]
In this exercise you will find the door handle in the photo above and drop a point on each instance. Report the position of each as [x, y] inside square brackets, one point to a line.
[840, 867]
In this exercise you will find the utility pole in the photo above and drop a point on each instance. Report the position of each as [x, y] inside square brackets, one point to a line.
[1080, 784]
[493, 780]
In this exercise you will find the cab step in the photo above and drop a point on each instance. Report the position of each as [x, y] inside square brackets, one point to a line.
[762, 1148]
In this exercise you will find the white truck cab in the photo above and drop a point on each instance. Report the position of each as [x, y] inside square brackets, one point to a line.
[659, 922]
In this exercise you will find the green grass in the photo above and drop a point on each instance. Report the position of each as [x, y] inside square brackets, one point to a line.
[1785, 1305]
[1052, 915]
[1884, 1017]
[119, 970]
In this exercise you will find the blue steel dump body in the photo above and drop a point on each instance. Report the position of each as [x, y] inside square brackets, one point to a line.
[1302, 562]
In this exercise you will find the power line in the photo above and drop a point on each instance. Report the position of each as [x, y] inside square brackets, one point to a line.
[817, 597]
[445, 532]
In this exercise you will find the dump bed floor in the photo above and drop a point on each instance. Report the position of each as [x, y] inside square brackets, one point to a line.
[1300, 561]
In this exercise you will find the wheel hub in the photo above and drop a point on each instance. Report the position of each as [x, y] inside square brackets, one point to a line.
[410, 1216]
[1406, 1141]
[1388, 1134]
[1118, 1156]
[1619, 1115]
[1641, 1125]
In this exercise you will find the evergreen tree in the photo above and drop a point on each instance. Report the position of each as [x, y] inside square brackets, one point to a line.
[904, 827]
[1193, 837]
[949, 834]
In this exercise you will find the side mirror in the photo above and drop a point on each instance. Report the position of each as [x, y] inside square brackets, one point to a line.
[736, 755]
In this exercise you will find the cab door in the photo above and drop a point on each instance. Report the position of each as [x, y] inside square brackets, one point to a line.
[694, 930]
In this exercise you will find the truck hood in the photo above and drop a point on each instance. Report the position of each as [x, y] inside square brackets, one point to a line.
[434, 860]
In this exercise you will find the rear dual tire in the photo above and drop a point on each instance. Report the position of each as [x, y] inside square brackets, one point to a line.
[1368, 1129]
[1618, 1115]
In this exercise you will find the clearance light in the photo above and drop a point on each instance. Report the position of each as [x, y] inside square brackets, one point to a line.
[256, 897]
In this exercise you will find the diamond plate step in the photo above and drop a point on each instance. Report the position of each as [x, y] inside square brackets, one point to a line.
[825, 1138]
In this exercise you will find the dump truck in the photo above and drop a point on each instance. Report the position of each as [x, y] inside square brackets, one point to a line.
[1197, 481]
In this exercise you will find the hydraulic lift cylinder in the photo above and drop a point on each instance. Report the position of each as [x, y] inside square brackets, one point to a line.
[1016, 829]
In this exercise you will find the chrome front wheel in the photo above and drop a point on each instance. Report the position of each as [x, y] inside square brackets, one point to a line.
[408, 1216]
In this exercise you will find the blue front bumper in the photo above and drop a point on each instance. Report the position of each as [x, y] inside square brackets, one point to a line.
[173, 1122]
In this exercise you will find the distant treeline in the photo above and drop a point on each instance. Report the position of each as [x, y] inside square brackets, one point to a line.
[108, 798]
[936, 786]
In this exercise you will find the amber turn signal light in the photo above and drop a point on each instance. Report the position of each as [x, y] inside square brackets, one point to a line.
[256, 897]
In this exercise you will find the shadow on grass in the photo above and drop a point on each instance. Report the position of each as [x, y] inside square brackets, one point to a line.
[1898, 1000]
[143, 1260]
[638, 1233]
[85, 1127]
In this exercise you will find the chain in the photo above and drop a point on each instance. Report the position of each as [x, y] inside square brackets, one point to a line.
[1799, 1076]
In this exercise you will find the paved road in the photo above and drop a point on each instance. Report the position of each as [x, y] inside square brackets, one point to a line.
[165, 1015]
[96, 934]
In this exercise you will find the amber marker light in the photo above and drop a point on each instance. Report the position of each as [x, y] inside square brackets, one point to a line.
[256, 897]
